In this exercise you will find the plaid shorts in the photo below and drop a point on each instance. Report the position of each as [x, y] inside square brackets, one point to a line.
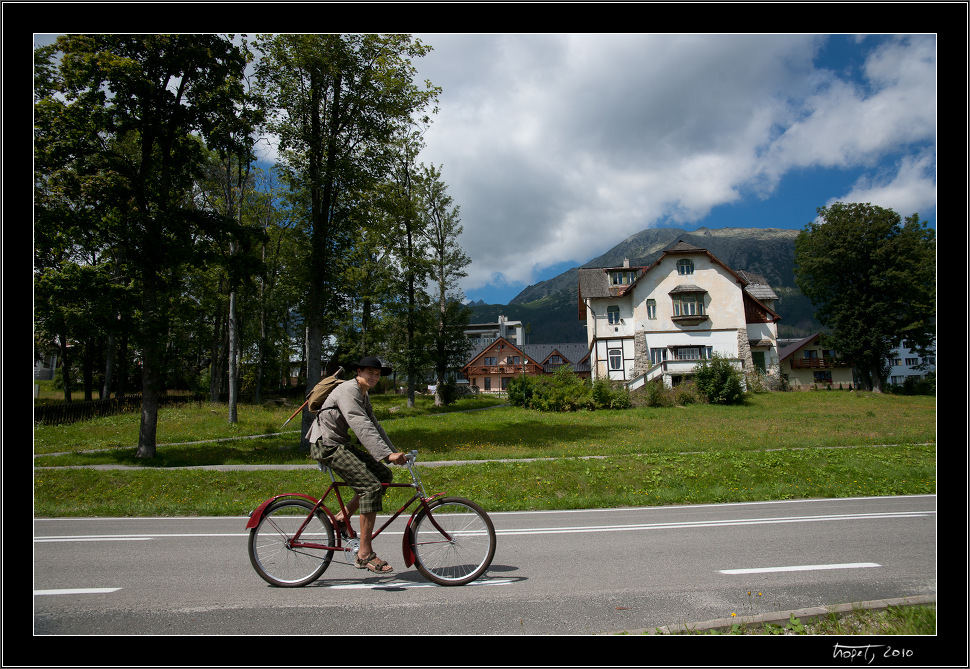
[360, 470]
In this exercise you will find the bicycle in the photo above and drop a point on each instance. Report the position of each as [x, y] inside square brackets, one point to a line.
[450, 540]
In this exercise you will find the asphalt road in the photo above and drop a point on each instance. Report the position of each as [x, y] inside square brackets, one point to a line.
[571, 572]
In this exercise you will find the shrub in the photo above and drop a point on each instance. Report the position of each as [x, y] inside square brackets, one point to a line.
[687, 393]
[610, 395]
[563, 391]
[653, 394]
[916, 385]
[720, 381]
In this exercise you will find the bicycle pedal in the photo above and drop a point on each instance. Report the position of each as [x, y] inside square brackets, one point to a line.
[350, 552]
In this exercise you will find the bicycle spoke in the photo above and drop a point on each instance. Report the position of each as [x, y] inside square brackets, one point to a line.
[463, 552]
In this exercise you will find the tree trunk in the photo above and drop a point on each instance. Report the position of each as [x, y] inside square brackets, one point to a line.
[151, 355]
[215, 367]
[233, 360]
[65, 368]
[109, 367]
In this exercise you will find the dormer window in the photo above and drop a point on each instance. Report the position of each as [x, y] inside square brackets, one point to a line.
[685, 266]
[622, 277]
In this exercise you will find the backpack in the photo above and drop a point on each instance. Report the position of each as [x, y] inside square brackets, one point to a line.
[318, 395]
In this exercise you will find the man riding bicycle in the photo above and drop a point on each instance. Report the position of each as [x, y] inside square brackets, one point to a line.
[348, 407]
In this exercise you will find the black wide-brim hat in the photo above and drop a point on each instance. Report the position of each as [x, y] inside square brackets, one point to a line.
[371, 361]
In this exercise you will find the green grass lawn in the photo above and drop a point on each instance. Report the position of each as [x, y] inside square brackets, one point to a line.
[775, 446]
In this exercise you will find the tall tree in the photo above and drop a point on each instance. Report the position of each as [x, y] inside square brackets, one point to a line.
[409, 308]
[130, 115]
[448, 262]
[873, 280]
[336, 101]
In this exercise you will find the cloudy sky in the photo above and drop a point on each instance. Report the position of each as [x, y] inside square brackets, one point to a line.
[557, 147]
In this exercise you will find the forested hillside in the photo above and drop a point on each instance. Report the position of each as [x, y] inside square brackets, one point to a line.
[550, 311]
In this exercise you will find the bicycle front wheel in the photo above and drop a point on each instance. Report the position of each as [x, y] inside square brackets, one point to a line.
[271, 549]
[466, 549]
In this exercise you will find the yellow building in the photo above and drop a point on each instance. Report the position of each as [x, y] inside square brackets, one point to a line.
[807, 364]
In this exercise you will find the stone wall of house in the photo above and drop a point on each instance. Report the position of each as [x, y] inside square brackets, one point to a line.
[744, 351]
[641, 354]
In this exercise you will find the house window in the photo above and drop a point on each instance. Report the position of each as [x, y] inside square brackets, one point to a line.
[622, 278]
[685, 266]
[912, 362]
[694, 352]
[490, 361]
[688, 304]
[658, 355]
[616, 359]
[613, 315]
[555, 360]
[822, 377]
[488, 383]
[652, 309]
[689, 353]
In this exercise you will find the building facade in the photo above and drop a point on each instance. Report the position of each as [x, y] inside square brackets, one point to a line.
[483, 334]
[660, 321]
[806, 363]
[491, 367]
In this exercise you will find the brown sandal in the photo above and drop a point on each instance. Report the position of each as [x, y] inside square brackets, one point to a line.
[373, 563]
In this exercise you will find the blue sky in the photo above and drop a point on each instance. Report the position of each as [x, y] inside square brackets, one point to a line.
[557, 147]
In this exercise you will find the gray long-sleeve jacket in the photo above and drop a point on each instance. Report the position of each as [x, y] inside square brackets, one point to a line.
[349, 408]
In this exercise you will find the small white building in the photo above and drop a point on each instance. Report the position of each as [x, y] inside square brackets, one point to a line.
[904, 362]
[483, 334]
[660, 321]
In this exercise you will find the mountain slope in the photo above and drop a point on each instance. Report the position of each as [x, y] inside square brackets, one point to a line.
[550, 307]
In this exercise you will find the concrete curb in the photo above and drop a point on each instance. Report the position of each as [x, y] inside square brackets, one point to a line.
[783, 617]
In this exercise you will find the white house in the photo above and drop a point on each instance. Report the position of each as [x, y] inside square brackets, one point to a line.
[660, 321]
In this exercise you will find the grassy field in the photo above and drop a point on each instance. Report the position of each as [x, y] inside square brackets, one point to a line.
[776, 446]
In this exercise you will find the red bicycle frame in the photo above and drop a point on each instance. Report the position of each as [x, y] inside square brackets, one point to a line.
[409, 558]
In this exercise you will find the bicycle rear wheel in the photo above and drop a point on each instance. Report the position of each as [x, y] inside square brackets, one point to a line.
[271, 551]
[470, 549]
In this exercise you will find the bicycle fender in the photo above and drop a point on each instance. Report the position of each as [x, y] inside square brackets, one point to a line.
[407, 541]
[257, 513]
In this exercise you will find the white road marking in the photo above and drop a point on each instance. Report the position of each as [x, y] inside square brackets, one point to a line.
[543, 530]
[41, 540]
[373, 586]
[75, 591]
[806, 567]
[713, 523]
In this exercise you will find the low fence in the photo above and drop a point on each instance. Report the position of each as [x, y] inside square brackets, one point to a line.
[71, 412]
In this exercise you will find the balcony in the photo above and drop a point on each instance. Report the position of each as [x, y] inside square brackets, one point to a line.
[815, 363]
[480, 370]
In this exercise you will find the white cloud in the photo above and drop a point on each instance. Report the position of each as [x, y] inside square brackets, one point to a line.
[558, 146]
[907, 188]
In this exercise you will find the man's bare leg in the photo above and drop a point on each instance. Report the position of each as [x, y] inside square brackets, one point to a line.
[351, 508]
[367, 522]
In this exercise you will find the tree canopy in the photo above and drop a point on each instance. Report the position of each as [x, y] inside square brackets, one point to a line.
[873, 278]
[166, 252]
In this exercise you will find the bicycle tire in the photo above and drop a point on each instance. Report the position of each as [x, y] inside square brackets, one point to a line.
[270, 552]
[469, 552]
